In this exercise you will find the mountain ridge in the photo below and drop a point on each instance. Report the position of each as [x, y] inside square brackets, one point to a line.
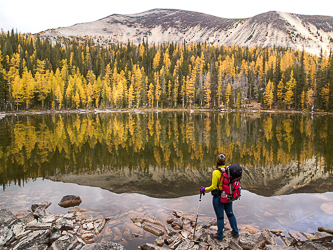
[160, 26]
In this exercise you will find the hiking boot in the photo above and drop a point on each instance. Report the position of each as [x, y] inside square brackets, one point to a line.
[214, 236]
[234, 235]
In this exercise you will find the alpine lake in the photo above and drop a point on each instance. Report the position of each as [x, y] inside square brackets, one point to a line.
[129, 164]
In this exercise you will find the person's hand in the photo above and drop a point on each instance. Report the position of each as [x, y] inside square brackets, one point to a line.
[202, 190]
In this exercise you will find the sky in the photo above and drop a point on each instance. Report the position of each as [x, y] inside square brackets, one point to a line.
[33, 16]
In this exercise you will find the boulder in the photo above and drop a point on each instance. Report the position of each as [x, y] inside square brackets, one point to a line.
[103, 246]
[28, 218]
[269, 237]
[70, 201]
[42, 205]
[38, 209]
[252, 241]
[177, 224]
[7, 218]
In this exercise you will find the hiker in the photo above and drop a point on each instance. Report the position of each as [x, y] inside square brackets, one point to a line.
[218, 206]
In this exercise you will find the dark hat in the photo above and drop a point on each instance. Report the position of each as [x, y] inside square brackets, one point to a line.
[220, 159]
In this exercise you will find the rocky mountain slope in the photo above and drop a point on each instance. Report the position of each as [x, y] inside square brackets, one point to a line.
[160, 26]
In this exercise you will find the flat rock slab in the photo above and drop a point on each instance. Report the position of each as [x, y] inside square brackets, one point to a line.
[30, 240]
[310, 245]
[5, 235]
[34, 225]
[318, 236]
[276, 247]
[149, 246]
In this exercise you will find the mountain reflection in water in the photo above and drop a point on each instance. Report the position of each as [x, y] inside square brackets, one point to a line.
[127, 164]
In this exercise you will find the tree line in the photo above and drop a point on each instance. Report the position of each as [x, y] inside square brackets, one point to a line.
[37, 73]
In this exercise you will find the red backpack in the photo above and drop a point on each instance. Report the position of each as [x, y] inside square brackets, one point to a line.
[230, 183]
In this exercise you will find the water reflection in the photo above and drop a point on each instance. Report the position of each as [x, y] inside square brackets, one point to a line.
[127, 164]
[168, 154]
[289, 213]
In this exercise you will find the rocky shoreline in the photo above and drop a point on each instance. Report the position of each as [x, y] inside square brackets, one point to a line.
[142, 110]
[180, 236]
[42, 230]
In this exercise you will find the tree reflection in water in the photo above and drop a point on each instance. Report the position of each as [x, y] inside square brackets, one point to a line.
[170, 155]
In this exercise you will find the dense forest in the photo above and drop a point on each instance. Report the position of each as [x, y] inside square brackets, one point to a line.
[76, 73]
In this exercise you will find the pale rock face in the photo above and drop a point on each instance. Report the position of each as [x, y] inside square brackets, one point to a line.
[159, 26]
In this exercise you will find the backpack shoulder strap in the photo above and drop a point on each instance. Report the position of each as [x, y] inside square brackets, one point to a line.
[222, 177]
[230, 184]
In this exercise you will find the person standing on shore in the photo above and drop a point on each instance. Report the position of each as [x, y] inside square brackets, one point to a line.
[219, 207]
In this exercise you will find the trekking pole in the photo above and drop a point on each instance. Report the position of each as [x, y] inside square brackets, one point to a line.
[196, 220]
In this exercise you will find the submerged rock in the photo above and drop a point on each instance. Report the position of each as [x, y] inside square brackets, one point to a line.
[152, 229]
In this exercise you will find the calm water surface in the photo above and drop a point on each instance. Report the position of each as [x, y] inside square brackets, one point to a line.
[126, 165]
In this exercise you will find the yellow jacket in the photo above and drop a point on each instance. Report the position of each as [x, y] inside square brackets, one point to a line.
[215, 180]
